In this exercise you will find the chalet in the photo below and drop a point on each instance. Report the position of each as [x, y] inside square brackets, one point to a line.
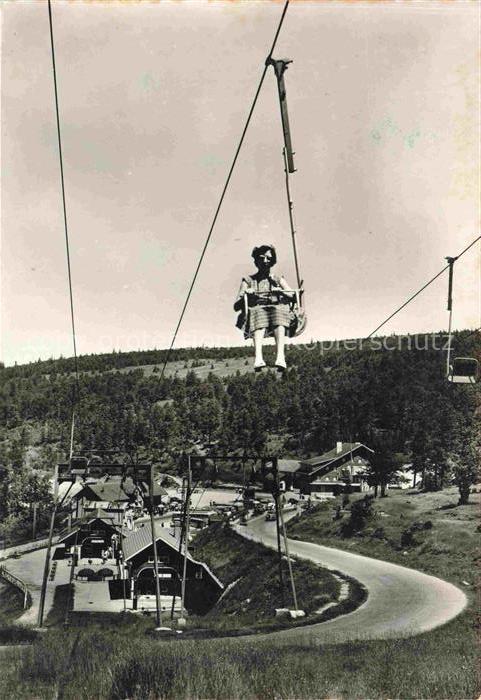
[343, 464]
[112, 496]
[354, 472]
[202, 587]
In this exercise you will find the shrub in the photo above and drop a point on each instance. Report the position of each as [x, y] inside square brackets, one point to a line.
[361, 512]
[407, 538]
[337, 513]
[379, 533]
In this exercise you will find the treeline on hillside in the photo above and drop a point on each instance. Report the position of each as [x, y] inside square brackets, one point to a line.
[398, 402]
[348, 396]
[462, 340]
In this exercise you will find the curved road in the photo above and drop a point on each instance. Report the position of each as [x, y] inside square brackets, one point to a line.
[402, 602]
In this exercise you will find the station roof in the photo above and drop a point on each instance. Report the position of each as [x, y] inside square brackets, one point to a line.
[141, 539]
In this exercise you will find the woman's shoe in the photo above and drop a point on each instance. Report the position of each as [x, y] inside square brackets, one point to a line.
[281, 365]
[259, 366]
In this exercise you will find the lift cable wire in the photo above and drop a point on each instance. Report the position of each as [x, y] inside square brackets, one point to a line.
[241, 141]
[422, 289]
[67, 246]
[340, 358]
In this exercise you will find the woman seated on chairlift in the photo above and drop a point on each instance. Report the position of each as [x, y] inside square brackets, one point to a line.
[269, 311]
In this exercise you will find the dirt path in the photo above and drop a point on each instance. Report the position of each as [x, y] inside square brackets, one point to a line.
[402, 602]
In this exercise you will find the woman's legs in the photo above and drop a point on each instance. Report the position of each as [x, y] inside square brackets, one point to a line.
[258, 342]
[280, 336]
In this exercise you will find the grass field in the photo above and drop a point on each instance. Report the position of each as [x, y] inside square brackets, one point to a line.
[106, 665]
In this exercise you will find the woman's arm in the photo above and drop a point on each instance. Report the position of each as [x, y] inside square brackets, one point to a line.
[239, 302]
[283, 286]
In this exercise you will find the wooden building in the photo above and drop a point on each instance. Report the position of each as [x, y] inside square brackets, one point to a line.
[111, 495]
[203, 588]
[337, 465]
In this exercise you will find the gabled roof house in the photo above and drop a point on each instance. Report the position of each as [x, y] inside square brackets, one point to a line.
[346, 456]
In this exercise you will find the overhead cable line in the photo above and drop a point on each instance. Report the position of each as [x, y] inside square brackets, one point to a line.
[476, 330]
[231, 170]
[67, 246]
[422, 289]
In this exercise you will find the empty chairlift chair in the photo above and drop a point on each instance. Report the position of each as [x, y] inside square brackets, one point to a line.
[464, 370]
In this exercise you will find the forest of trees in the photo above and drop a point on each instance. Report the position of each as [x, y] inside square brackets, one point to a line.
[400, 395]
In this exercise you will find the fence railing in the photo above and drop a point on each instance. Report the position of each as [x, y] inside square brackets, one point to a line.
[18, 583]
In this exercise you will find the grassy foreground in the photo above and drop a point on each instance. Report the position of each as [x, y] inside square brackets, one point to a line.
[97, 666]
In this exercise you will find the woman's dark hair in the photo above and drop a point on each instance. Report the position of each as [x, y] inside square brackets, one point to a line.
[259, 250]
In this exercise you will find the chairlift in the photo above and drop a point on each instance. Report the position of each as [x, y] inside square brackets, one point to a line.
[293, 298]
[78, 465]
[464, 370]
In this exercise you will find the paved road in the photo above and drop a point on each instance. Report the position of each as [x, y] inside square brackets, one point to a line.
[29, 567]
[402, 602]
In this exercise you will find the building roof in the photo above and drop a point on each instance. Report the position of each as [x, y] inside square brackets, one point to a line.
[141, 539]
[327, 462]
[105, 491]
[288, 466]
[346, 449]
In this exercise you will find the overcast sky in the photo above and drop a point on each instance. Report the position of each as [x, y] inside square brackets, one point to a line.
[384, 108]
